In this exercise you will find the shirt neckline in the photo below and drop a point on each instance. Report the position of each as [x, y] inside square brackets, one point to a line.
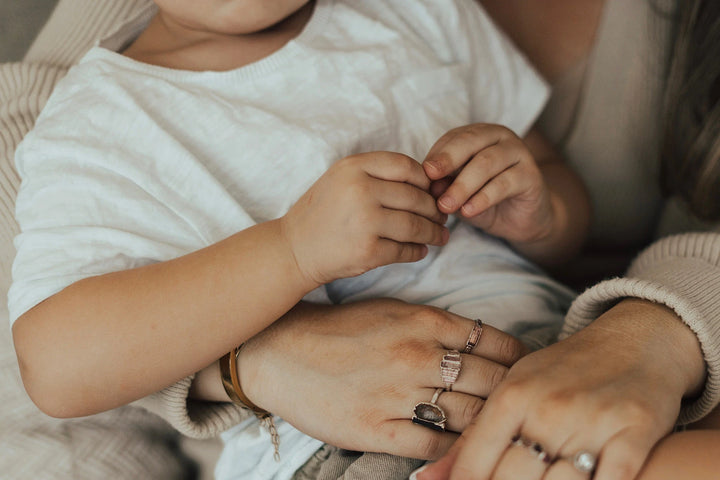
[108, 49]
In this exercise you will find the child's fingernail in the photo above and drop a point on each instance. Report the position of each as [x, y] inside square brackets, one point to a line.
[431, 164]
[468, 210]
[447, 202]
[414, 475]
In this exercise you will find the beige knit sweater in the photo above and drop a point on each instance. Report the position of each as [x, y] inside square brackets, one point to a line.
[682, 271]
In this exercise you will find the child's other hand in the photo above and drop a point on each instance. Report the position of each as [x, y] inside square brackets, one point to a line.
[487, 174]
[366, 211]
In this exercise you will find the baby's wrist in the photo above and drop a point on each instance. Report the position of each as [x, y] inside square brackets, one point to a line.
[292, 251]
[545, 243]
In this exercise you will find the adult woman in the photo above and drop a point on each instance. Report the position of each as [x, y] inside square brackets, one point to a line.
[290, 331]
[582, 395]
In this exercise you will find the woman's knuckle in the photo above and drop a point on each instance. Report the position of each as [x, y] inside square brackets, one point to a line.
[436, 319]
[508, 348]
[429, 446]
[471, 410]
[510, 395]
[637, 413]
[497, 376]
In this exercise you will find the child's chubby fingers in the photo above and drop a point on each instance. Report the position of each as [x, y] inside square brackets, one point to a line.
[406, 227]
[458, 146]
[392, 166]
[511, 183]
[484, 167]
[409, 198]
[390, 251]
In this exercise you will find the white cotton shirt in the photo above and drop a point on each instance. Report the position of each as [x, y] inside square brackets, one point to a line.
[131, 164]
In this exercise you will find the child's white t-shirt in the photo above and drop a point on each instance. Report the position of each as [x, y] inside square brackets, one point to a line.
[131, 164]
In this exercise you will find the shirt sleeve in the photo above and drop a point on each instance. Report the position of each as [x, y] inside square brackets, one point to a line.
[504, 87]
[683, 273]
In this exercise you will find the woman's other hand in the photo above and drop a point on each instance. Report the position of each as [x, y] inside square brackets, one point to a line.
[612, 390]
[367, 210]
[352, 374]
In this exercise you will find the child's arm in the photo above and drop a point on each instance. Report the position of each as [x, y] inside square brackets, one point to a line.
[517, 189]
[110, 339]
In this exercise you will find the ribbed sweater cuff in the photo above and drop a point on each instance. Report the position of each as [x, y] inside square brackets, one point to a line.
[683, 273]
[193, 418]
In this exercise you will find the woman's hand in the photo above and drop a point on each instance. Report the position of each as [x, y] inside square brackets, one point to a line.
[367, 210]
[351, 375]
[613, 389]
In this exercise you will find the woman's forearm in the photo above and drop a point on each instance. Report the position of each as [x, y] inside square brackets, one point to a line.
[692, 455]
[108, 340]
[672, 349]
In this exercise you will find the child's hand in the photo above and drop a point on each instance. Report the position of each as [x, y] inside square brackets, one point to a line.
[487, 174]
[367, 210]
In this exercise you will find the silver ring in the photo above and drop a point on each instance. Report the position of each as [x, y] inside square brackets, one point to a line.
[584, 461]
[533, 447]
[450, 368]
[429, 414]
[474, 337]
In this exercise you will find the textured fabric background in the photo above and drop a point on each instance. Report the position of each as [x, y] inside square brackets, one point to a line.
[19, 23]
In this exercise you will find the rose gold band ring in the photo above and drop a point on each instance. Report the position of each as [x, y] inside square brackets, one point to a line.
[533, 447]
[450, 368]
[474, 337]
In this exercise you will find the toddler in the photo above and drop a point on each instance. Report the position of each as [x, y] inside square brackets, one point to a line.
[220, 157]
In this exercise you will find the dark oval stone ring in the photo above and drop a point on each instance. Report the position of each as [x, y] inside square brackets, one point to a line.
[429, 414]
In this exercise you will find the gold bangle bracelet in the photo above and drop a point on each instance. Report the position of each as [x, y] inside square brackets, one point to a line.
[231, 383]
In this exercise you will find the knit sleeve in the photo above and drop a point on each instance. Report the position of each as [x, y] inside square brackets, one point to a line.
[683, 273]
[194, 418]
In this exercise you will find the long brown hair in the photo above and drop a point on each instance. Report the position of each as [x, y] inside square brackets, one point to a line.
[690, 159]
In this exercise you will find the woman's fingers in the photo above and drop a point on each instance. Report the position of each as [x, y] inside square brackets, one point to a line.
[460, 408]
[563, 469]
[520, 462]
[493, 428]
[476, 376]
[404, 438]
[622, 457]
[493, 344]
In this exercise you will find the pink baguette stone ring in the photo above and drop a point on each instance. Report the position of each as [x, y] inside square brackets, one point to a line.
[450, 368]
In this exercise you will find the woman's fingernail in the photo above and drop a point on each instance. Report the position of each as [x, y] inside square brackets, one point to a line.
[414, 475]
